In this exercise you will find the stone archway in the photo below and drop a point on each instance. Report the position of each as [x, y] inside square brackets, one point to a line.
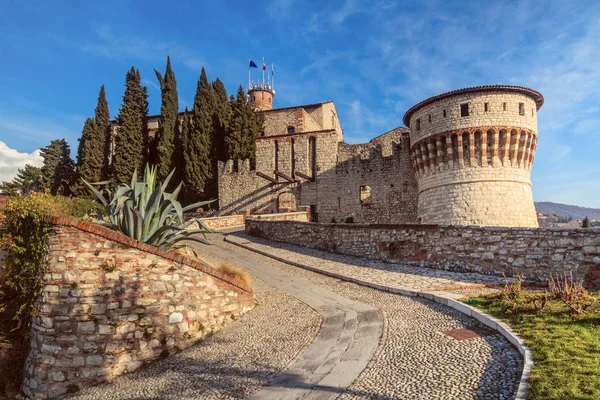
[286, 202]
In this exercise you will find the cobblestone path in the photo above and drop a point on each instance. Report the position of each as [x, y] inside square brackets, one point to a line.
[414, 359]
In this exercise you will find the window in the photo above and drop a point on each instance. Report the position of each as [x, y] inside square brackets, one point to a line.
[291, 130]
[253, 98]
[532, 112]
[365, 194]
[270, 99]
[503, 106]
[293, 156]
[485, 107]
[312, 154]
[444, 113]
[429, 118]
[464, 110]
[521, 108]
[418, 124]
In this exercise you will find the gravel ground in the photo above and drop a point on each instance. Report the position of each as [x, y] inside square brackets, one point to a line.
[415, 360]
[231, 364]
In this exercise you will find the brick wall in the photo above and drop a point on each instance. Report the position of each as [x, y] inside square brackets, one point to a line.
[536, 252]
[111, 304]
[302, 216]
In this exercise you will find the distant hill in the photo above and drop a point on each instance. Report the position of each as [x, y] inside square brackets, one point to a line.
[575, 212]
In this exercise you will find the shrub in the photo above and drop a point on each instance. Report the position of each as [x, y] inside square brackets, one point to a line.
[235, 273]
[146, 212]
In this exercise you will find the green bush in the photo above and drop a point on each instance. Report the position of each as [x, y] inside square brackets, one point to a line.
[146, 212]
[21, 281]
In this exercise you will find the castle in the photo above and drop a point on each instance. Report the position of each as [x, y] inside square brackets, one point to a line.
[465, 160]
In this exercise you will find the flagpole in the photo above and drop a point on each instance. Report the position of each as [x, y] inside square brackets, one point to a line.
[263, 70]
[272, 77]
[248, 88]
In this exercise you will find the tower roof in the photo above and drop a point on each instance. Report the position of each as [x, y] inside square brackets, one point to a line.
[534, 94]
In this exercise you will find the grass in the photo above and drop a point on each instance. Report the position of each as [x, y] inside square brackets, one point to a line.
[235, 273]
[566, 347]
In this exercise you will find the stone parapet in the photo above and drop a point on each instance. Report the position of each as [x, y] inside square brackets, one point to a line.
[111, 304]
[535, 252]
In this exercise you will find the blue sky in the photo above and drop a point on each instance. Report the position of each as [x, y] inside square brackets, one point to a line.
[375, 59]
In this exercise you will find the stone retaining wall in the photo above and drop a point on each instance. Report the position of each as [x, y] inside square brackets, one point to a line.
[536, 252]
[111, 304]
[228, 221]
[302, 216]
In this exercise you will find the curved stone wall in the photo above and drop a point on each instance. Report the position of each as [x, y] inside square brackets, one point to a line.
[472, 154]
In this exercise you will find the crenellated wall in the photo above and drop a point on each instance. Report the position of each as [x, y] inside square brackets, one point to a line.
[348, 183]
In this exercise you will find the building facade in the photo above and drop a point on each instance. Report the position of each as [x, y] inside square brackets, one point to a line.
[465, 160]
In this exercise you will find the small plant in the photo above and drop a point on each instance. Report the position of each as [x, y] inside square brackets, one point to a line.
[108, 266]
[146, 212]
[73, 388]
[235, 273]
[586, 223]
[233, 317]
[512, 293]
[571, 292]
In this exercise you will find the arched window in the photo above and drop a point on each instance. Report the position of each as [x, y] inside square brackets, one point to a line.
[291, 130]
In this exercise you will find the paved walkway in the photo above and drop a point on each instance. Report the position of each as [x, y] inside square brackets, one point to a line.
[416, 358]
[379, 273]
[370, 345]
[348, 338]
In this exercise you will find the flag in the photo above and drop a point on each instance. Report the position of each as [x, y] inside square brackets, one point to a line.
[272, 70]
[252, 65]
[264, 66]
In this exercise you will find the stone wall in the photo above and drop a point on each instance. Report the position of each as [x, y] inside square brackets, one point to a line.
[111, 304]
[303, 216]
[536, 252]
[341, 171]
[229, 221]
[473, 168]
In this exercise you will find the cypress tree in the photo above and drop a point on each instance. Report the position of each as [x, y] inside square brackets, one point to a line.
[220, 119]
[168, 126]
[233, 134]
[58, 169]
[103, 132]
[131, 144]
[245, 125]
[197, 141]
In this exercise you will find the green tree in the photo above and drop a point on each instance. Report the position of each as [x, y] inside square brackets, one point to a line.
[245, 125]
[221, 114]
[28, 179]
[197, 141]
[58, 168]
[104, 133]
[586, 223]
[168, 125]
[131, 140]
[233, 135]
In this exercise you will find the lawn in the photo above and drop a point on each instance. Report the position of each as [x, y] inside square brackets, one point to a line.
[566, 347]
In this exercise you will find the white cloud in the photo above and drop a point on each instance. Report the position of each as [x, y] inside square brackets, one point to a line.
[11, 160]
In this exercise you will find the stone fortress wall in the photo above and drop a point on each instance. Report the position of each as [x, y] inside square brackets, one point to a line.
[472, 152]
[466, 160]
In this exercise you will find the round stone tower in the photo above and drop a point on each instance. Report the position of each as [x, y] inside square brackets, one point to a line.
[261, 96]
[472, 151]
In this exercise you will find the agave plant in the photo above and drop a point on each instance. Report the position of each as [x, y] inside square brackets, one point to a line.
[146, 212]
